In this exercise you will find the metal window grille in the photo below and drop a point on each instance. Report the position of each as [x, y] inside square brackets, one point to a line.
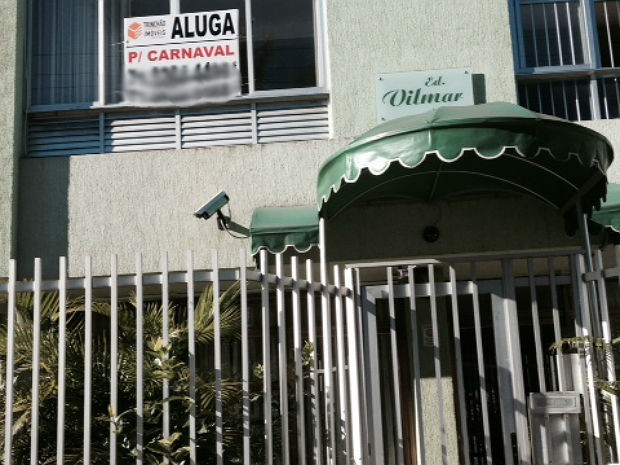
[551, 34]
[568, 53]
[608, 29]
[569, 99]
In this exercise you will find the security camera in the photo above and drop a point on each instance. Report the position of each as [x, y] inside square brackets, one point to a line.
[213, 206]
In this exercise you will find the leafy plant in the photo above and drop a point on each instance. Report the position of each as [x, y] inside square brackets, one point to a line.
[162, 362]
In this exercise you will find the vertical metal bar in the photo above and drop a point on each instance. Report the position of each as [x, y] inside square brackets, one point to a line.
[538, 93]
[605, 99]
[165, 331]
[589, 356]
[191, 350]
[245, 356]
[565, 101]
[548, 46]
[595, 322]
[175, 7]
[327, 351]
[594, 100]
[609, 41]
[609, 354]
[217, 343]
[527, 95]
[266, 322]
[139, 362]
[533, 23]
[343, 398]
[36, 364]
[249, 45]
[88, 355]
[506, 372]
[113, 355]
[314, 387]
[437, 357]
[540, 365]
[282, 359]
[557, 329]
[552, 98]
[577, 303]
[299, 374]
[395, 379]
[101, 61]
[578, 107]
[570, 34]
[10, 362]
[376, 451]
[508, 308]
[456, 325]
[362, 358]
[481, 372]
[558, 36]
[415, 347]
[355, 430]
[62, 360]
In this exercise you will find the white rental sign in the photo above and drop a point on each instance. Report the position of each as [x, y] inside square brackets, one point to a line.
[403, 94]
[182, 59]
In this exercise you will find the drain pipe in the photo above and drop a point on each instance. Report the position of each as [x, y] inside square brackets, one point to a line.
[600, 313]
[587, 328]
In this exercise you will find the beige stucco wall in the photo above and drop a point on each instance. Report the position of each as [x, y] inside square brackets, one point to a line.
[125, 203]
[369, 37]
[11, 46]
[129, 202]
[144, 202]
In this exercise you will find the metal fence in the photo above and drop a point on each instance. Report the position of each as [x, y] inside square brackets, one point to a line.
[204, 365]
[427, 361]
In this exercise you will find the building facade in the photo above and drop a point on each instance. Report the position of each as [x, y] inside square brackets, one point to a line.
[139, 181]
[90, 171]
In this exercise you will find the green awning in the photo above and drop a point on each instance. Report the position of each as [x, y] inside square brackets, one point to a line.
[609, 214]
[471, 149]
[277, 228]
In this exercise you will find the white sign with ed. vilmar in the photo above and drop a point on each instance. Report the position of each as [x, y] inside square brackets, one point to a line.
[404, 94]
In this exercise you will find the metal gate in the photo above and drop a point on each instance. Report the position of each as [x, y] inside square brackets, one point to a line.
[453, 349]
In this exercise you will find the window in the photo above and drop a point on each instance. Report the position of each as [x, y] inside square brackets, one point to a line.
[77, 46]
[76, 72]
[568, 57]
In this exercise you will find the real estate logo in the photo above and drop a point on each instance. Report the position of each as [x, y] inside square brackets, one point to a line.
[134, 30]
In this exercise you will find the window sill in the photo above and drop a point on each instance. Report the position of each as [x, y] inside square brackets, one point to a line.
[567, 72]
[265, 96]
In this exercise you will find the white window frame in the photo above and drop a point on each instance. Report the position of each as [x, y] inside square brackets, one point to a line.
[591, 69]
[321, 66]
